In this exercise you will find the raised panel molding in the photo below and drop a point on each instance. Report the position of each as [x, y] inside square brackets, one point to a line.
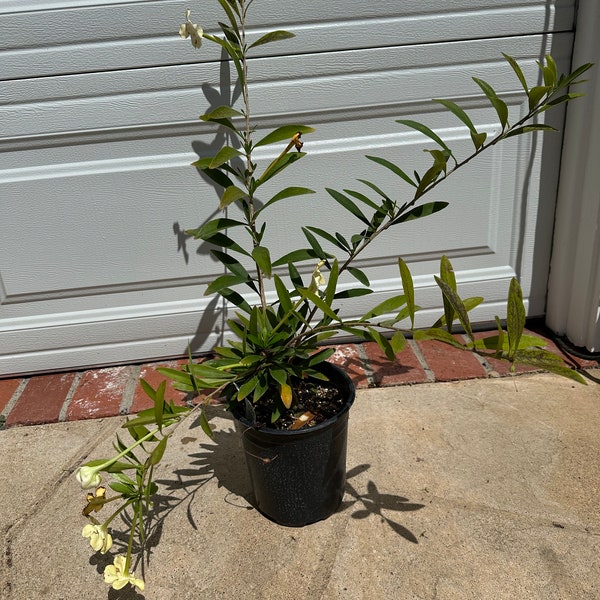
[95, 267]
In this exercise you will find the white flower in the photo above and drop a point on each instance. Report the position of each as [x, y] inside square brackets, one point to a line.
[192, 30]
[100, 539]
[116, 575]
[88, 477]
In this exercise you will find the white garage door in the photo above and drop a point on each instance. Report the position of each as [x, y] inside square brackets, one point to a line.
[98, 126]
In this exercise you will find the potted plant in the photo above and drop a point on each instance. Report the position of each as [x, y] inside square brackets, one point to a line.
[289, 403]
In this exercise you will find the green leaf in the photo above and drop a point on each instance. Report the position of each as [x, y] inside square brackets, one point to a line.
[222, 282]
[204, 424]
[398, 342]
[263, 259]
[332, 283]
[423, 210]
[327, 236]
[225, 154]
[222, 112]
[409, 289]
[478, 139]
[549, 71]
[441, 335]
[296, 256]
[278, 165]
[425, 131]
[457, 111]
[215, 175]
[382, 342]
[359, 275]
[515, 317]
[386, 307]
[235, 298]
[447, 275]
[392, 167]
[286, 193]
[287, 132]
[314, 243]
[231, 194]
[375, 188]
[220, 239]
[457, 305]
[232, 264]
[352, 293]
[282, 294]
[536, 94]
[515, 67]
[528, 129]
[499, 105]
[207, 230]
[319, 303]
[159, 450]
[348, 205]
[273, 36]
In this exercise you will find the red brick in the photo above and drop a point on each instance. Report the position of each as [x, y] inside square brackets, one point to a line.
[346, 356]
[154, 378]
[449, 363]
[99, 393]
[41, 400]
[7, 389]
[404, 370]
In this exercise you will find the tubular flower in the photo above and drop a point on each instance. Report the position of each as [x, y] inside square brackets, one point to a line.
[118, 578]
[317, 277]
[88, 477]
[100, 539]
[193, 30]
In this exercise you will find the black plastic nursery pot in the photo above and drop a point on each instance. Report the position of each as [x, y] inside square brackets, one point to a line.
[298, 477]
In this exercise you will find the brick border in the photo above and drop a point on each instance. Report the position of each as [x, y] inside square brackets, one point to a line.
[111, 391]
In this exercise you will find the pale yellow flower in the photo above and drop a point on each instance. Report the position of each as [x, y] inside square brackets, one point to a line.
[100, 539]
[317, 277]
[88, 477]
[191, 30]
[118, 578]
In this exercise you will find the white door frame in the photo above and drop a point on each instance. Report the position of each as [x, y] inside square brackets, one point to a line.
[574, 286]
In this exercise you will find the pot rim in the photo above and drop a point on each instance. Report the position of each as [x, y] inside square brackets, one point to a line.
[348, 389]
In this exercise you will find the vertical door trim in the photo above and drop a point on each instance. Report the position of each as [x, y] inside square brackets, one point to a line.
[574, 286]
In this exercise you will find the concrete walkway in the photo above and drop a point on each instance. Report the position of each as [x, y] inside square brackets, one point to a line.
[482, 489]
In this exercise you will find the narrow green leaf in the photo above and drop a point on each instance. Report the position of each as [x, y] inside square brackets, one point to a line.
[441, 335]
[296, 256]
[327, 236]
[392, 167]
[332, 283]
[319, 303]
[549, 71]
[224, 241]
[287, 132]
[158, 451]
[515, 317]
[447, 276]
[499, 105]
[278, 165]
[398, 342]
[231, 263]
[207, 230]
[457, 305]
[222, 282]
[273, 36]
[222, 112]
[528, 129]
[386, 307]
[359, 276]
[225, 154]
[261, 256]
[282, 293]
[215, 175]
[375, 188]
[425, 131]
[536, 94]
[352, 293]
[458, 112]
[204, 424]
[382, 342]
[314, 243]
[478, 139]
[286, 193]
[231, 194]
[517, 69]
[347, 204]
[423, 210]
[409, 289]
